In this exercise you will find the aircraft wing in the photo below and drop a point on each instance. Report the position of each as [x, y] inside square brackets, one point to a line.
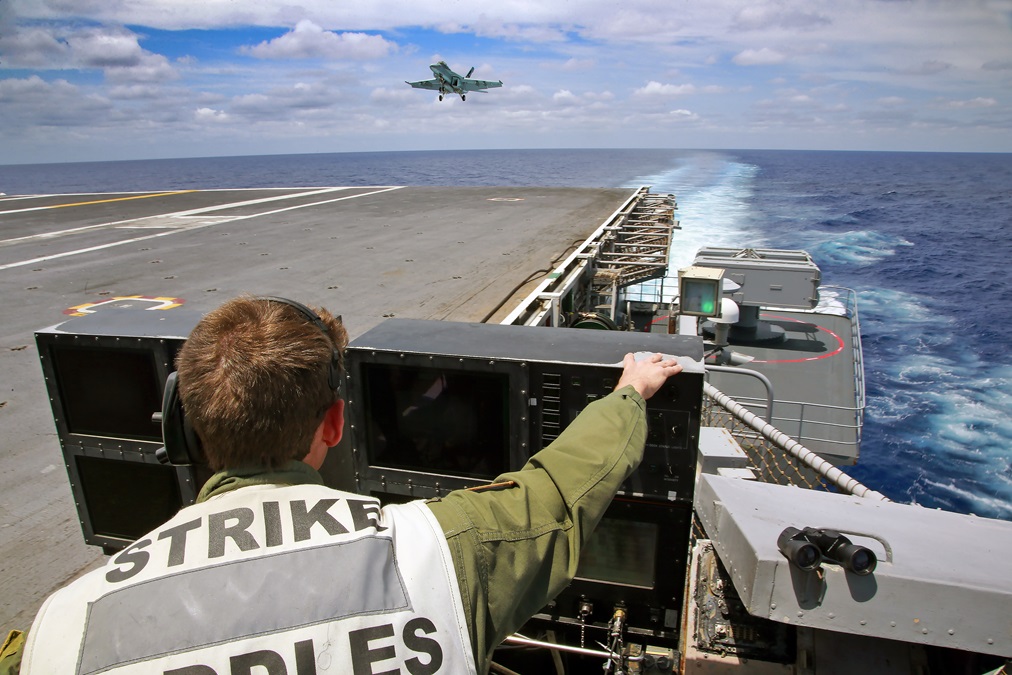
[468, 84]
[425, 84]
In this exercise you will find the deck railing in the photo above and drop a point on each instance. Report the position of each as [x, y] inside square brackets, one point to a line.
[804, 422]
[775, 456]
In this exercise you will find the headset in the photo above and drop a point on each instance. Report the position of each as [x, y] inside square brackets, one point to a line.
[182, 444]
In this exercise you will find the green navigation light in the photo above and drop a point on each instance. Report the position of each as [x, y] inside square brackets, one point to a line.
[699, 291]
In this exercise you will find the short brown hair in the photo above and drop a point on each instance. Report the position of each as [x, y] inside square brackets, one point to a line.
[253, 378]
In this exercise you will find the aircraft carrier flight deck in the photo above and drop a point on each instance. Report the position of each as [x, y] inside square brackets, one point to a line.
[367, 253]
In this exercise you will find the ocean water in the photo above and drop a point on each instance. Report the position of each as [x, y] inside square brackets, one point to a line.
[924, 238]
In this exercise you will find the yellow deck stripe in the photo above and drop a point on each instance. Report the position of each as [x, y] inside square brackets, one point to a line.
[120, 199]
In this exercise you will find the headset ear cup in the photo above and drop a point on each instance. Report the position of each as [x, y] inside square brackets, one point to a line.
[182, 445]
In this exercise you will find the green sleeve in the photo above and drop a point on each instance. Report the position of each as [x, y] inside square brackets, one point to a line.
[10, 653]
[515, 548]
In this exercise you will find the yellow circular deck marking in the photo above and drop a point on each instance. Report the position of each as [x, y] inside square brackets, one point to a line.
[155, 302]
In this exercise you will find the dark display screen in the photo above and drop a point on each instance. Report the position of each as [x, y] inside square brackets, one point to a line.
[621, 552]
[109, 392]
[436, 420]
[127, 499]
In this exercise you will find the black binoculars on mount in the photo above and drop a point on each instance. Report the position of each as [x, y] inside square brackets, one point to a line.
[807, 548]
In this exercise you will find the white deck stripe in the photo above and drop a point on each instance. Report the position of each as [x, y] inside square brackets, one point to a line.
[182, 228]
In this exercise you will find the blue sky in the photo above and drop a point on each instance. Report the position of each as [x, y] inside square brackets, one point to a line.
[128, 79]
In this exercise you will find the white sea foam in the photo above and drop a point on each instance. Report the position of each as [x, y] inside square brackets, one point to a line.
[996, 505]
[855, 247]
[713, 208]
[943, 400]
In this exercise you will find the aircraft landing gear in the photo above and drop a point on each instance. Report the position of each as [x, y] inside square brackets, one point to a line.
[440, 97]
[463, 98]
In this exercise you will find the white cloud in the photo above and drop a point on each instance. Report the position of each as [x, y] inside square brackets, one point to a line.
[292, 102]
[565, 97]
[579, 64]
[394, 96]
[33, 103]
[979, 102]
[116, 51]
[104, 48]
[308, 41]
[759, 57]
[205, 115]
[33, 48]
[135, 92]
[517, 96]
[891, 101]
[762, 17]
[654, 88]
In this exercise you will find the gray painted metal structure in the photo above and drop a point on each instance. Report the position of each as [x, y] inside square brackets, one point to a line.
[942, 578]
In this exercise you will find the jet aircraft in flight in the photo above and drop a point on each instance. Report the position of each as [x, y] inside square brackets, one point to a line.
[447, 81]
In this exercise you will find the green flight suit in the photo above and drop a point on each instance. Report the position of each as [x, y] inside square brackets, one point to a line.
[515, 546]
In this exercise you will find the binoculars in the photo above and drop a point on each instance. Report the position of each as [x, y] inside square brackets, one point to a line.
[808, 548]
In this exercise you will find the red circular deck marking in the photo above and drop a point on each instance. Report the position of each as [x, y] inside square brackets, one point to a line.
[839, 341]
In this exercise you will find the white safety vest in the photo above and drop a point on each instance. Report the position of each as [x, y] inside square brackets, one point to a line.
[266, 580]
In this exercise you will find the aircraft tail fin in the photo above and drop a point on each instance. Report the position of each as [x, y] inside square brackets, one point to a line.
[470, 72]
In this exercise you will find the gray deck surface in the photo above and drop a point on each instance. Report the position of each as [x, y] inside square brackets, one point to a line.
[812, 372]
[364, 252]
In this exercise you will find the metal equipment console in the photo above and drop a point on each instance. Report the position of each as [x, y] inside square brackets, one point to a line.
[435, 406]
[105, 373]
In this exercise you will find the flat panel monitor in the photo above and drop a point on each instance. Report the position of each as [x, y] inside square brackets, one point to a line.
[125, 500]
[109, 392]
[621, 552]
[637, 557]
[437, 420]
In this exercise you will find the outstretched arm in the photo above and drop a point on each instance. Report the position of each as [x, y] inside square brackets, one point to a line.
[517, 545]
[647, 375]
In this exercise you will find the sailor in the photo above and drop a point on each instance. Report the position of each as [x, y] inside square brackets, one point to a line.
[272, 572]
